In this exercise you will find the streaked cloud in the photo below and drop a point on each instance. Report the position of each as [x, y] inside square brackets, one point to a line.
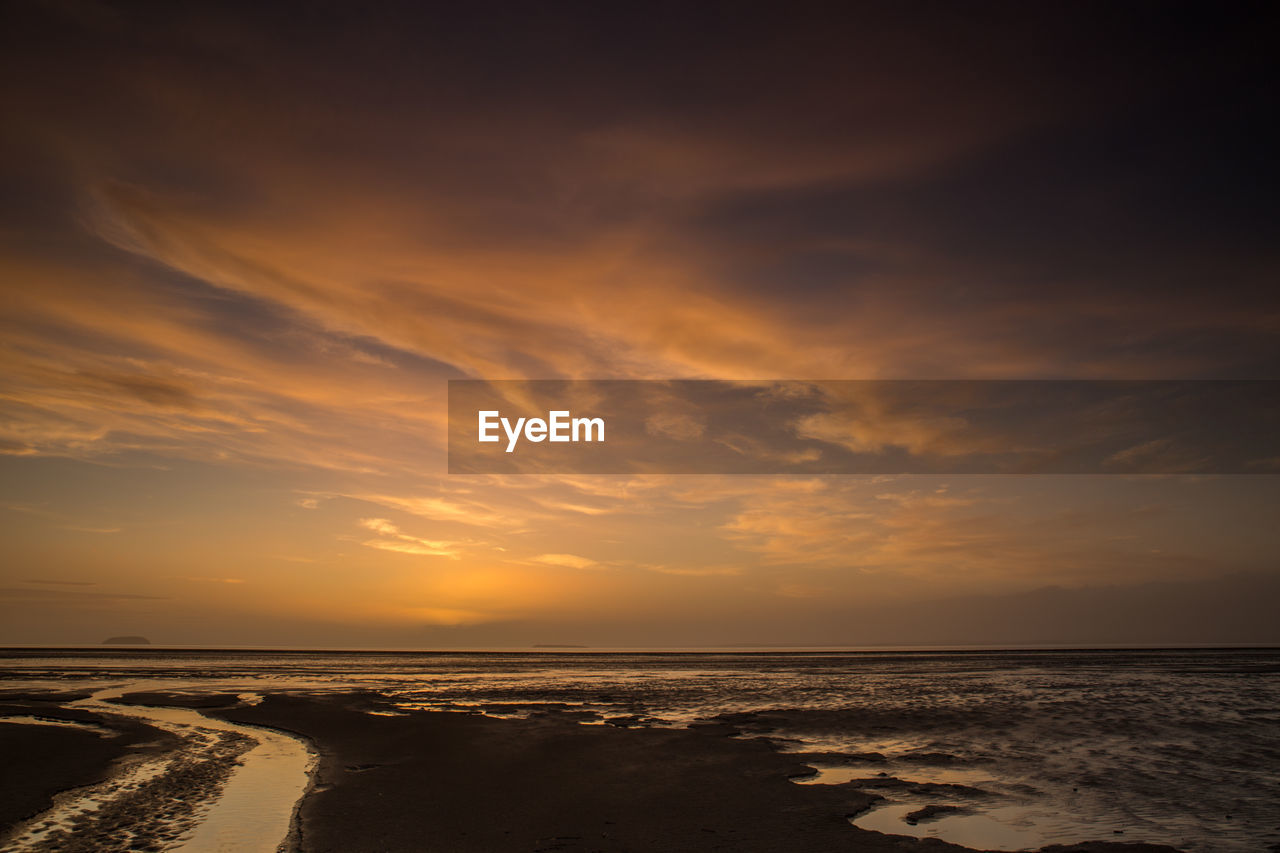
[571, 561]
[394, 540]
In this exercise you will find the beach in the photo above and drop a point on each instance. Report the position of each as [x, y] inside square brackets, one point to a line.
[197, 750]
[390, 780]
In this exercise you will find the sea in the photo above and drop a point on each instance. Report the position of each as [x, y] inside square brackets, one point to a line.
[1017, 749]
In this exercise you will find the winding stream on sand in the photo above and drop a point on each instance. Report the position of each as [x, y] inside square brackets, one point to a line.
[226, 787]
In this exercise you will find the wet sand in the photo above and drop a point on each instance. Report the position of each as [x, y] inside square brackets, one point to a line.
[438, 781]
[41, 761]
[157, 778]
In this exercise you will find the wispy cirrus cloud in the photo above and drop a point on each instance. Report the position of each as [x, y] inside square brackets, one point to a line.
[571, 561]
[392, 539]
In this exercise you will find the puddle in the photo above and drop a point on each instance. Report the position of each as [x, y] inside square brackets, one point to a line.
[1012, 816]
[970, 776]
[994, 826]
[1007, 828]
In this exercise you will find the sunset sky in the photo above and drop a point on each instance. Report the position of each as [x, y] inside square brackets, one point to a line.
[245, 245]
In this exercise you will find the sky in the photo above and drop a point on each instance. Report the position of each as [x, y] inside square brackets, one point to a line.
[245, 246]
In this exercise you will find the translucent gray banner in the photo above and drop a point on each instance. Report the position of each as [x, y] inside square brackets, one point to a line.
[864, 427]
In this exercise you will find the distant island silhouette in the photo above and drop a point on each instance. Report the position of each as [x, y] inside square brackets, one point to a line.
[126, 640]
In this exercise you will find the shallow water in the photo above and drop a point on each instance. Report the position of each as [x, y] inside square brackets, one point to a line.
[257, 805]
[1002, 828]
[1179, 747]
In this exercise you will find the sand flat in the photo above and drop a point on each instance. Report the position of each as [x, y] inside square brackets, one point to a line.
[440, 781]
[425, 781]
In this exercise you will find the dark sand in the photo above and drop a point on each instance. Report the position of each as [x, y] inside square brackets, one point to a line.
[445, 782]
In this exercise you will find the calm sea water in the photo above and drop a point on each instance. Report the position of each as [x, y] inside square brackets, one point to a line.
[1030, 747]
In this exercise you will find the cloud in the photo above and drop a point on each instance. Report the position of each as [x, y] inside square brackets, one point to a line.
[463, 511]
[571, 561]
[311, 318]
[1162, 455]
[679, 426]
[57, 595]
[447, 616]
[394, 540]
[697, 571]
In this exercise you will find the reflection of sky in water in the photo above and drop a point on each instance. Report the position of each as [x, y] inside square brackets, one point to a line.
[1006, 828]
[1164, 745]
